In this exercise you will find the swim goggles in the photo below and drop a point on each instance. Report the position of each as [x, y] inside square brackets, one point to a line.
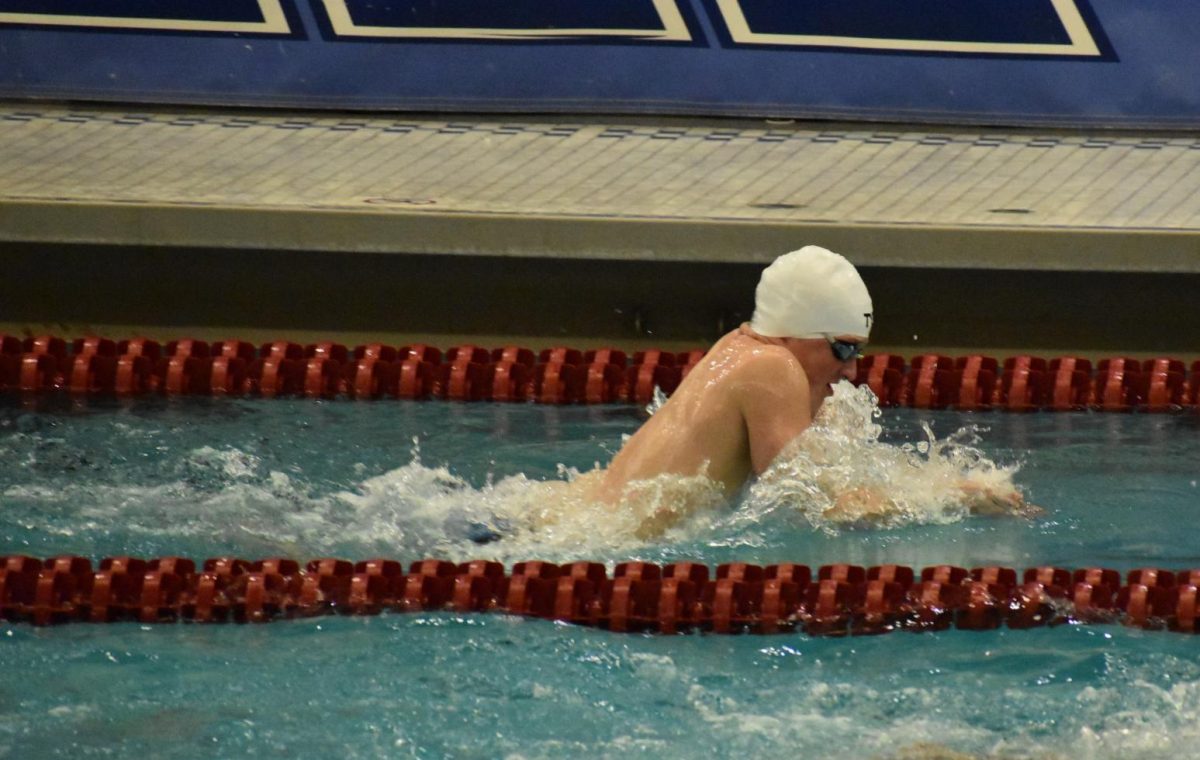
[844, 350]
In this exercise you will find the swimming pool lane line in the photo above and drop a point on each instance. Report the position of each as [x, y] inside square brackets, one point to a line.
[138, 366]
[682, 597]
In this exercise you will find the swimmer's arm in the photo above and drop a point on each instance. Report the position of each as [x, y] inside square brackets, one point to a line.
[774, 401]
[656, 524]
[864, 504]
[990, 500]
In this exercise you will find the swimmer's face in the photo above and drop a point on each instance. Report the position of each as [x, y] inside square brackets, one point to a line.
[821, 366]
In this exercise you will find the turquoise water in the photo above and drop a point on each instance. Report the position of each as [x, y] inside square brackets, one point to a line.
[203, 478]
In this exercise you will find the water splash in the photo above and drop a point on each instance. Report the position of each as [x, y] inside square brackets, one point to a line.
[839, 473]
[244, 500]
[656, 401]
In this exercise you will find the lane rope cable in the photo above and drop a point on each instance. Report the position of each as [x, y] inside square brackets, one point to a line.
[837, 600]
[93, 366]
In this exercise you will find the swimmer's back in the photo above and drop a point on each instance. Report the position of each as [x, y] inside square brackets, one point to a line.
[703, 424]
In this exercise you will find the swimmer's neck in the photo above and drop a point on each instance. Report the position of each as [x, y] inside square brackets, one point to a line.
[744, 329]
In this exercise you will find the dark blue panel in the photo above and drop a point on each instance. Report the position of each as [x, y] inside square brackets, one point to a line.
[517, 14]
[246, 11]
[1148, 75]
[1011, 21]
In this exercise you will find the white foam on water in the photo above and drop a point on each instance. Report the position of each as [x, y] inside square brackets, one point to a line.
[1144, 704]
[839, 473]
[656, 401]
[1140, 719]
[1147, 706]
[243, 504]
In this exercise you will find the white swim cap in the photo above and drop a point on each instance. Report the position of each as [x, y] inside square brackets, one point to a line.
[810, 293]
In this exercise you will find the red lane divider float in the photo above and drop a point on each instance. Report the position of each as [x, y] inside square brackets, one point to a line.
[95, 365]
[837, 600]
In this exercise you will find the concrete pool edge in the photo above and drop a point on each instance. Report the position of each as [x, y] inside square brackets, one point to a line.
[600, 237]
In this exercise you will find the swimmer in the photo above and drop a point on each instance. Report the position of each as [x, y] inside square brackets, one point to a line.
[758, 389]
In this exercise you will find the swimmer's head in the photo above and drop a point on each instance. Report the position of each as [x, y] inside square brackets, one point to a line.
[812, 293]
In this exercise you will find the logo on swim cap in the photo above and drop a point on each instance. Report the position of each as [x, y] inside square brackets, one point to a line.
[810, 293]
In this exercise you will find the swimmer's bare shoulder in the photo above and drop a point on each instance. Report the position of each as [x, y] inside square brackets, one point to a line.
[775, 400]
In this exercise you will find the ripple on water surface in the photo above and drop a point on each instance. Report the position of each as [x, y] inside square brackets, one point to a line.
[307, 479]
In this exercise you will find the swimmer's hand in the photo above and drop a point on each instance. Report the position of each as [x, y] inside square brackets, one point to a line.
[1002, 501]
[860, 506]
[867, 507]
[655, 525]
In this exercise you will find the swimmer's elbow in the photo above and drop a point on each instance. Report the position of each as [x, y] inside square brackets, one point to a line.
[762, 464]
[766, 454]
[773, 427]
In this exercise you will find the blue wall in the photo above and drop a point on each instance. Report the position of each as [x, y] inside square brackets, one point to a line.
[1106, 62]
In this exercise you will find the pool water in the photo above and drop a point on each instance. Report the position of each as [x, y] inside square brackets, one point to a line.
[222, 477]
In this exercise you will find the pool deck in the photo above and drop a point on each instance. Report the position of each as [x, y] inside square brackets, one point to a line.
[616, 189]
